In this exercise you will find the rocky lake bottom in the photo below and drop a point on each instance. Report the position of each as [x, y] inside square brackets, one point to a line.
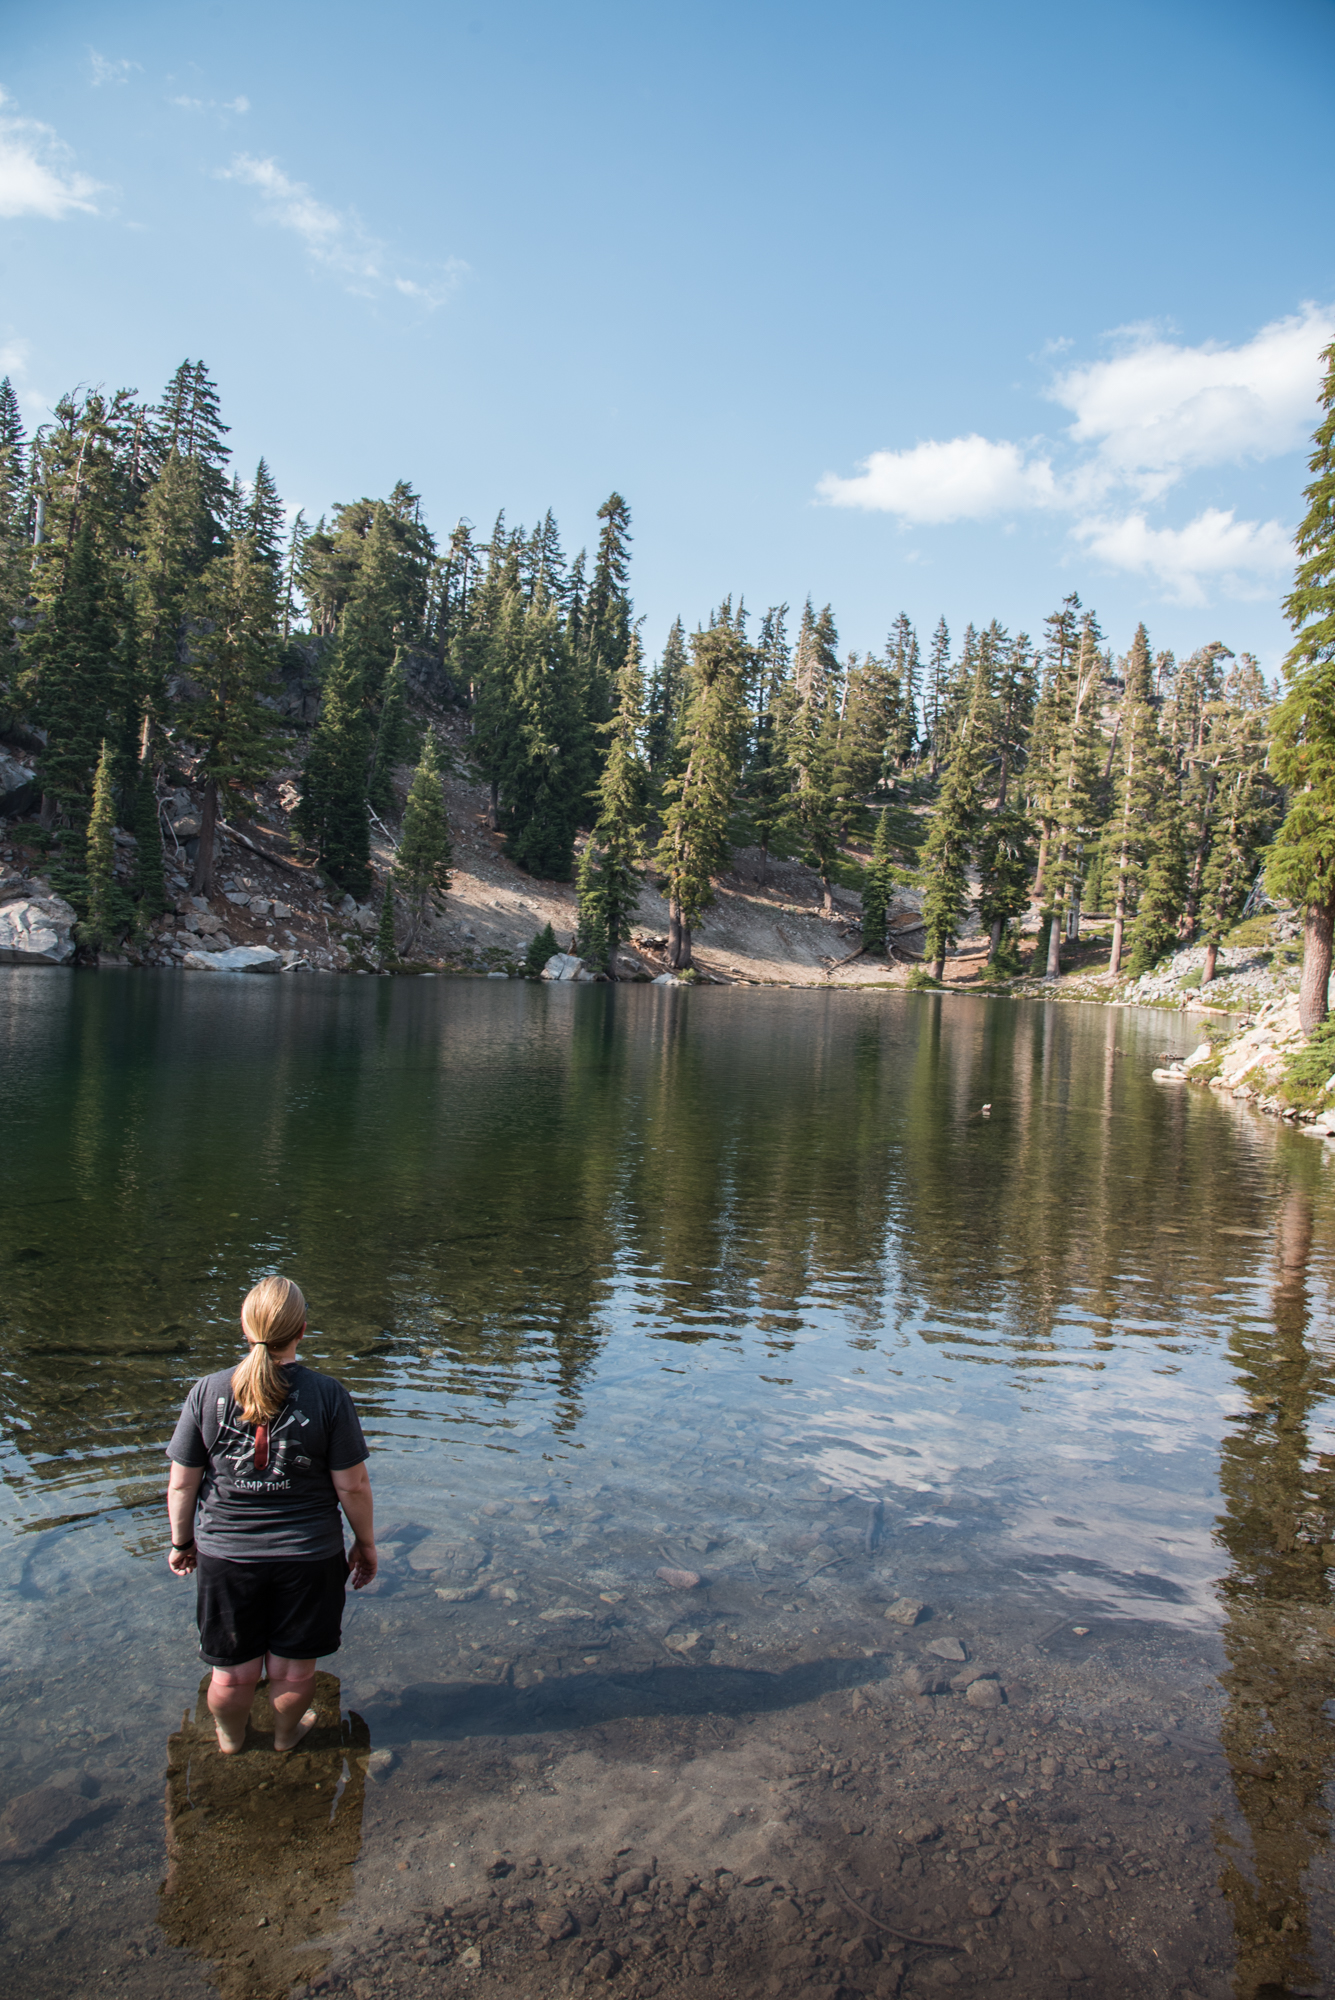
[833, 1543]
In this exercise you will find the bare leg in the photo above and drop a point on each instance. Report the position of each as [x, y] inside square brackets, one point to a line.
[291, 1684]
[231, 1692]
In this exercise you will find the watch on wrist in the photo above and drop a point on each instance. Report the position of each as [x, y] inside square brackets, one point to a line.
[179, 1548]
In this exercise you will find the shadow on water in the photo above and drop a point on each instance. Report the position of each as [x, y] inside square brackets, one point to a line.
[260, 1848]
[1278, 1632]
[447, 1711]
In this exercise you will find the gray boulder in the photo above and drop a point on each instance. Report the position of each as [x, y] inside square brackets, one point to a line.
[565, 965]
[19, 789]
[241, 958]
[36, 931]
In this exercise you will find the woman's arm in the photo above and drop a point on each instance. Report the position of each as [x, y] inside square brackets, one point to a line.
[353, 1488]
[182, 1493]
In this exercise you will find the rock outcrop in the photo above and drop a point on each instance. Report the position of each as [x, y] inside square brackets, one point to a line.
[241, 958]
[36, 930]
[565, 965]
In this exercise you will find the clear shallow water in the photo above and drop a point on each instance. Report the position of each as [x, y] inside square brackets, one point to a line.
[735, 1281]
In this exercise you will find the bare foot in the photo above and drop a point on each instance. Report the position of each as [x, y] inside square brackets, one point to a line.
[229, 1740]
[288, 1739]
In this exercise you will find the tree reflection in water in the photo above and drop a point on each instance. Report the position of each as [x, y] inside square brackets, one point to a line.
[1280, 1511]
[260, 1847]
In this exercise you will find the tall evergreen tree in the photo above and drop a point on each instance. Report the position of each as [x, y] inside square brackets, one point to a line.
[667, 696]
[232, 668]
[605, 629]
[813, 741]
[386, 946]
[74, 683]
[262, 522]
[1134, 797]
[296, 544]
[390, 738]
[104, 900]
[542, 761]
[1155, 930]
[1302, 859]
[1246, 812]
[422, 864]
[936, 691]
[694, 846]
[622, 812]
[766, 797]
[332, 812]
[951, 832]
[905, 662]
[876, 887]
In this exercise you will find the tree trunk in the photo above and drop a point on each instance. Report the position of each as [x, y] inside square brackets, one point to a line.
[679, 940]
[1119, 919]
[996, 937]
[1055, 944]
[764, 863]
[202, 879]
[827, 896]
[939, 967]
[1207, 970]
[1318, 927]
[1042, 866]
[494, 806]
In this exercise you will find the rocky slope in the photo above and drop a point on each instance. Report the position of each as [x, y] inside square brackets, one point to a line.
[767, 926]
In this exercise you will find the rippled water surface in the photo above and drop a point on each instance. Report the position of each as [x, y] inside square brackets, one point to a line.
[745, 1283]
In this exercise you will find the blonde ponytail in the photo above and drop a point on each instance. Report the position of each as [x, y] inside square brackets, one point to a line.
[272, 1315]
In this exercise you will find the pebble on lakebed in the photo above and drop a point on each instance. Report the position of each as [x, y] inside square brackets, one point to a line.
[905, 1611]
[679, 1579]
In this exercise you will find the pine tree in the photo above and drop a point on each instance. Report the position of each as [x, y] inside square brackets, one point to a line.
[936, 691]
[15, 536]
[1155, 930]
[422, 864]
[387, 951]
[104, 900]
[591, 941]
[904, 661]
[605, 629]
[953, 827]
[262, 521]
[1302, 860]
[813, 742]
[1134, 796]
[876, 887]
[177, 538]
[694, 846]
[188, 422]
[390, 738]
[296, 546]
[1246, 813]
[667, 694]
[622, 810]
[74, 684]
[149, 883]
[765, 795]
[232, 668]
[543, 947]
[541, 761]
[1072, 773]
[332, 812]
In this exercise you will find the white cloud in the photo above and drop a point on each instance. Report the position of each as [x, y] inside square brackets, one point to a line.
[962, 479]
[107, 69]
[335, 238]
[1143, 420]
[36, 177]
[1159, 410]
[238, 105]
[1215, 547]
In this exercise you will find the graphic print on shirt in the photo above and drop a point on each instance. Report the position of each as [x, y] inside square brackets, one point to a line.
[260, 1460]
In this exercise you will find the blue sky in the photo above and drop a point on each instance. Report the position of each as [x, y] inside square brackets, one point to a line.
[952, 309]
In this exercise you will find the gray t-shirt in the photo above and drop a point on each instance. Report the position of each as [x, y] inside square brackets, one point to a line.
[286, 1505]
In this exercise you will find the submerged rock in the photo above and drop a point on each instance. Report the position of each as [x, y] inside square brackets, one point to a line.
[35, 1819]
[36, 931]
[905, 1611]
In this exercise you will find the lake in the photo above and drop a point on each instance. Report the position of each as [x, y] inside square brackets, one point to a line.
[973, 1388]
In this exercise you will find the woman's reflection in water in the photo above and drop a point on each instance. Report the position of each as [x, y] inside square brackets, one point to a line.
[1278, 1524]
[260, 1847]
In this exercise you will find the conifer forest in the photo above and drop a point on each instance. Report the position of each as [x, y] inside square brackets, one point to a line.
[153, 591]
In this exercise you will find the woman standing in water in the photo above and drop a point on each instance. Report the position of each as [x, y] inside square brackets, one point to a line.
[268, 1452]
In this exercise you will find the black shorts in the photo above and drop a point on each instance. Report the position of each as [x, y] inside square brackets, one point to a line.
[245, 1609]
